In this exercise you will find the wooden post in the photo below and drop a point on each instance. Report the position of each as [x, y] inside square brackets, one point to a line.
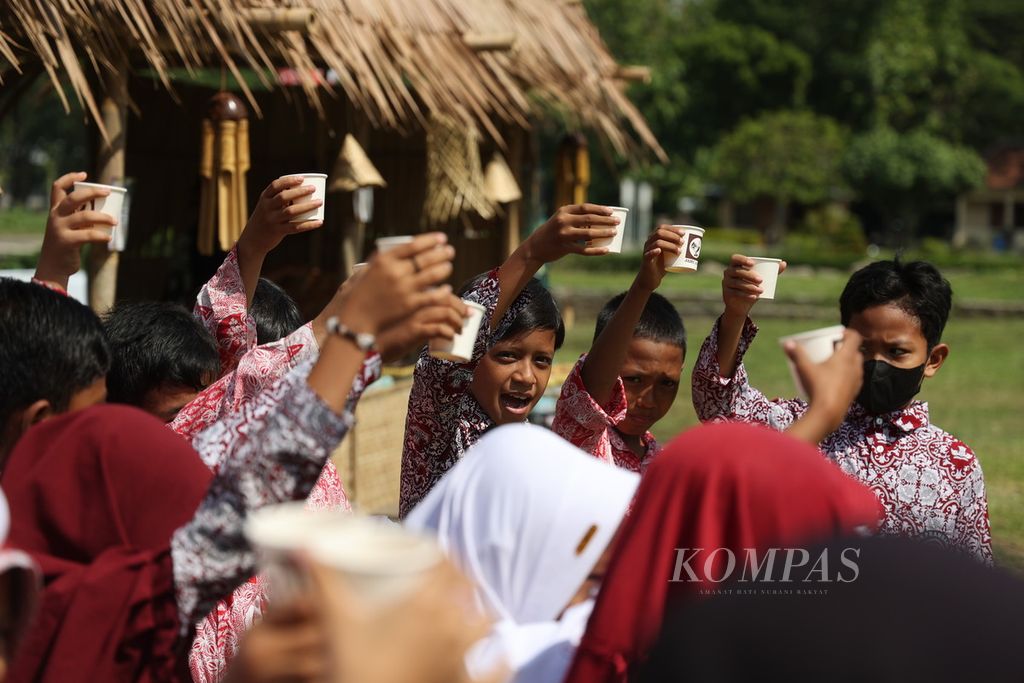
[110, 165]
[514, 217]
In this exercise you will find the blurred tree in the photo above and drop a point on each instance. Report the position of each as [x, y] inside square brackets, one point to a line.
[902, 174]
[785, 155]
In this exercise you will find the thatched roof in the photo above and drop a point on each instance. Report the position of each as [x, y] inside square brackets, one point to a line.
[483, 62]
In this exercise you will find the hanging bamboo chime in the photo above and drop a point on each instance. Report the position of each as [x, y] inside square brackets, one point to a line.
[223, 163]
[572, 170]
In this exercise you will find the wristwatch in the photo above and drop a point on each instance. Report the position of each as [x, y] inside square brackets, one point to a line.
[364, 341]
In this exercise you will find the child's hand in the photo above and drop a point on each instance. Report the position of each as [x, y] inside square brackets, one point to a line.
[443, 321]
[663, 240]
[567, 232]
[68, 228]
[831, 386]
[741, 285]
[270, 222]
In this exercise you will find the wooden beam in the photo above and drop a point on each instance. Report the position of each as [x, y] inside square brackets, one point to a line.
[280, 19]
[110, 171]
[484, 42]
[634, 73]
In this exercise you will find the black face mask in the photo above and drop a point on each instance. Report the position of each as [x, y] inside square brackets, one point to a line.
[887, 387]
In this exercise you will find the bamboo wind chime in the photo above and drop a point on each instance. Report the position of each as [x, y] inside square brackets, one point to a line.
[455, 179]
[224, 161]
[572, 170]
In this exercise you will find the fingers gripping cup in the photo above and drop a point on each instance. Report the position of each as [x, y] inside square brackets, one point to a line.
[614, 244]
[768, 269]
[819, 345]
[460, 349]
[693, 238]
[112, 204]
[319, 183]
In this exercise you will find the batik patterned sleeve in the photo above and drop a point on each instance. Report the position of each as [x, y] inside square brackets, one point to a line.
[275, 449]
[582, 421]
[224, 310]
[732, 398]
[973, 533]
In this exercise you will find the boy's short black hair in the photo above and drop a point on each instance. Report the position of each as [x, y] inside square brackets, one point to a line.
[276, 314]
[51, 347]
[153, 344]
[660, 321]
[916, 287]
[540, 312]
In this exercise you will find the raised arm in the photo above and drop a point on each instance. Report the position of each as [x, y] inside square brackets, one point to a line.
[832, 387]
[600, 370]
[740, 288]
[68, 227]
[278, 444]
[564, 233]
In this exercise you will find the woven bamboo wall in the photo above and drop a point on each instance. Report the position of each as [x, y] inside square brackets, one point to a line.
[369, 460]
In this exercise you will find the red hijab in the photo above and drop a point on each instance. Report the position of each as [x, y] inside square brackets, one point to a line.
[95, 496]
[732, 486]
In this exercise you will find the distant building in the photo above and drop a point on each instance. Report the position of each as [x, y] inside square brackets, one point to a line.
[993, 215]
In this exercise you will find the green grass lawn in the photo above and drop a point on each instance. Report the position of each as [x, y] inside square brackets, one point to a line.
[823, 286]
[978, 396]
[20, 221]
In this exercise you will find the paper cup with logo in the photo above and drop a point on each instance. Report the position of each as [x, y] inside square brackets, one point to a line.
[614, 244]
[112, 204]
[818, 344]
[382, 563]
[388, 243]
[768, 269]
[460, 349]
[319, 183]
[693, 238]
[278, 533]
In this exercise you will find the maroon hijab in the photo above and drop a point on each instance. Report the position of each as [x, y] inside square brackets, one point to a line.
[716, 487]
[95, 497]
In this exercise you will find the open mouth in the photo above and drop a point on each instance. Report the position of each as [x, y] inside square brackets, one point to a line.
[517, 404]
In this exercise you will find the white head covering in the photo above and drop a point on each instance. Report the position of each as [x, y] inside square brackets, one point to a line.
[25, 574]
[526, 515]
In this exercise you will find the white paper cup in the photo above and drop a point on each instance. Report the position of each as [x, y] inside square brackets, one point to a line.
[382, 563]
[819, 345]
[614, 244]
[693, 238]
[460, 349]
[112, 204]
[278, 532]
[388, 243]
[319, 182]
[357, 268]
[768, 269]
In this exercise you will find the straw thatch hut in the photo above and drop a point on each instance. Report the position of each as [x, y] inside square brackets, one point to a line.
[410, 80]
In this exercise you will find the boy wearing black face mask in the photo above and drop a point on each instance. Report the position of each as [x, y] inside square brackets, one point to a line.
[929, 483]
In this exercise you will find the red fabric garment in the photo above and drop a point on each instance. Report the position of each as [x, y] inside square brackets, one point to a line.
[95, 497]
[729, 486]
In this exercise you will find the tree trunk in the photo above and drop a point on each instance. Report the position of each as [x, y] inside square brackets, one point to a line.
[777, 230]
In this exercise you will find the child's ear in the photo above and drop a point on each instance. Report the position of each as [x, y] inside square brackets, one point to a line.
[935, 360]
[35, 413]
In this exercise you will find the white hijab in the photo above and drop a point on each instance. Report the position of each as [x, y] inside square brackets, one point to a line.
[526, 515]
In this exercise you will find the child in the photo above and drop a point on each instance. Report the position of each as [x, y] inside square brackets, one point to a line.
[629, 380]
[275, 313]
[453, 404]
[53, 358]
[162, 357]
[929, 482]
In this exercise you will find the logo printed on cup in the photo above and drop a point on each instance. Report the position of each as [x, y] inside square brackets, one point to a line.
[693, 247]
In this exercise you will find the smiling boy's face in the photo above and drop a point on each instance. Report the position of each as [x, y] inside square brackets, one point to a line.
[650, 375]
[513, 374]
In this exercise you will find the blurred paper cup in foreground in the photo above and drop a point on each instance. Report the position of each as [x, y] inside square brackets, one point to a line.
[319, 183]
[388, 243]
[460, 349]
[382, 563]
[614, 244]
[693, 238]
[112, 204]
[278, 532]
[768, 269]
[817, 344]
